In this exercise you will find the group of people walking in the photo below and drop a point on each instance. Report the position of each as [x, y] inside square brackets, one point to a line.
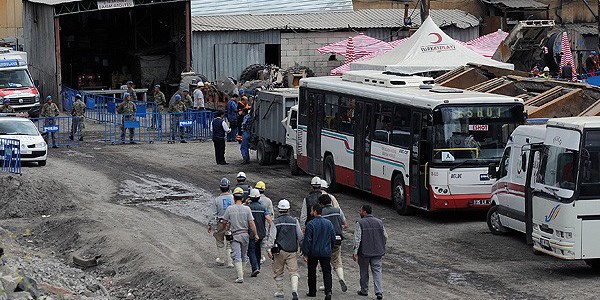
[244, 221]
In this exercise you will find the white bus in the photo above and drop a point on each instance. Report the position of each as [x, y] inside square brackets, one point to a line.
[400, 138]
[555, 199]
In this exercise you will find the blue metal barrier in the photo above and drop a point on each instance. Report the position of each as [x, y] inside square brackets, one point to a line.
[68, 97]
[59, 131]
[10, 154]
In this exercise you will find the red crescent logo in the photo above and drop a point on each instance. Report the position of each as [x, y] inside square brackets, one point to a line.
[439, 38]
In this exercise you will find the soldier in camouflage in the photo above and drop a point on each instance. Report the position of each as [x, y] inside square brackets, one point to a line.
[161, 103]
[176, 110]
[6, 108]
[131, 90]
[187, 99]
[49, 112]
[78, 113]
[127, 109]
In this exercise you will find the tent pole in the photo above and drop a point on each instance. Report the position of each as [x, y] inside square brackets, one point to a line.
[425, 5]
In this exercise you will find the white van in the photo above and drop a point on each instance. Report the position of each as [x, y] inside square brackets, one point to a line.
[555, 200]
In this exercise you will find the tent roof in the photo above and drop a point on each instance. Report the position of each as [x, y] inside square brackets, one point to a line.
[363, 44]
[428, 49]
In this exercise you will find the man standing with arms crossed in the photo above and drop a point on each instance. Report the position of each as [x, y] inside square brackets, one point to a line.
[219, 130]
[317, 246]
[239, 220]
[285, 237]
[369, 248]
[217, 225]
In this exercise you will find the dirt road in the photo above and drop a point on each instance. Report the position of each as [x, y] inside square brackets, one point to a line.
[142, 207]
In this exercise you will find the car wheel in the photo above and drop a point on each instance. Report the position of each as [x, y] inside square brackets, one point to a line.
[41, 163]
[329, 173]
[399, 196]
[494, 223]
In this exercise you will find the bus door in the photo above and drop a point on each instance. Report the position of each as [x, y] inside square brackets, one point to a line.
[313, 134]
[418, 163]
[362, 145]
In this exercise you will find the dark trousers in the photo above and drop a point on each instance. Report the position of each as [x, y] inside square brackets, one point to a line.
[219, 144]
[254, 253]
[325, 263]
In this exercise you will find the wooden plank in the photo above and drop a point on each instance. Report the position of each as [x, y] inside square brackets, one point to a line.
[539, 99]
[559, 107]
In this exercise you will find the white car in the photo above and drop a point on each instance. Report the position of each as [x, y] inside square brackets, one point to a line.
[33, 146]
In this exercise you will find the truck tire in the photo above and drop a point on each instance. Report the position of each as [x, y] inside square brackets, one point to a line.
[251, 72]
[262, 155]
[294, 169]
[399, 196]
[329, 174]
[493, 221]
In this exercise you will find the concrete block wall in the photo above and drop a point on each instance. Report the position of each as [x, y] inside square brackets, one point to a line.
[302, 47]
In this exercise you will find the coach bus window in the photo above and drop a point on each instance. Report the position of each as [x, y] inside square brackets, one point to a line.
[331, 111]
[346, 114]
[401, 127]
[590, 183]
[383, 123]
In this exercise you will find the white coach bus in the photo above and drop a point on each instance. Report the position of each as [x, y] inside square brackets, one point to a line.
[401, 138]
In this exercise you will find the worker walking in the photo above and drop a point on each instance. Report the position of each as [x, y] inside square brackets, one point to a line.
[370, 238]
[246, 134]
[310, 200]
[264, 200]
[232, 114]
[50, 111]
[127, 109]
[319, 239]
[239, 220]
[325, 190]
[241, 183]
[217, 225]
[6, 108]
[262, 220]
[78, 114]
[219, 130]
[336, 217]
[284, 240]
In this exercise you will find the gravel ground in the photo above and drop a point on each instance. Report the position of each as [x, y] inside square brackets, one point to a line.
[142, 208]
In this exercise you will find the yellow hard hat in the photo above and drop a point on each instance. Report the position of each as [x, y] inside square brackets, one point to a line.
[260, 186]
[238, 191]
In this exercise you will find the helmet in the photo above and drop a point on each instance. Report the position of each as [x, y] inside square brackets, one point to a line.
[48, 98]
[546, 69]
[316, 182]
[207, 83]
[283, 204]
[241, 91]
[129, 82]
[186, 90]
[157, 86]
[241, 176]
[224, 183]
[200, 84]
[238, 191]
[260, 186]
[177, 97]
[125, 95]
[254, 193]
[77, 96]
[324, 184]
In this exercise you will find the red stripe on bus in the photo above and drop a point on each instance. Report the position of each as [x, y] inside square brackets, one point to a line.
[344, 176]
[381, 187]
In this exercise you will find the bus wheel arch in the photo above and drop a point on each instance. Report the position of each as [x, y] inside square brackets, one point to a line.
[593, 263]
[399, 198]
[329, 172]
[493, 221]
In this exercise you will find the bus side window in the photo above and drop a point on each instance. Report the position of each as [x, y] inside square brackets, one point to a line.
[346, 114]
[400, 135]
[383, 123]
[331, 111]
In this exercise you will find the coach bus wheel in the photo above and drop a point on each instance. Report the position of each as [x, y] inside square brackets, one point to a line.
[261, 154]
[493, 221]
[399, 196]
[329, 173]
[593, 263]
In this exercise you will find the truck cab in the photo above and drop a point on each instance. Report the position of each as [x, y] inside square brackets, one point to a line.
[16, 83]
[548, 186]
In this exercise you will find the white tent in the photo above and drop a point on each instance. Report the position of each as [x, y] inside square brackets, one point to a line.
[428, 49]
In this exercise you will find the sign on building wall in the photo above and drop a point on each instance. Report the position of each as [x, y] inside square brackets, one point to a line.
[111, 4]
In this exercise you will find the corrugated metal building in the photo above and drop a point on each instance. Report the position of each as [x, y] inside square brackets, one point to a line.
[221, 47]
[11, 21]
[242, 7]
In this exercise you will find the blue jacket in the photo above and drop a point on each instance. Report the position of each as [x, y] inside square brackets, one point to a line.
[232, 111]
[319, 238]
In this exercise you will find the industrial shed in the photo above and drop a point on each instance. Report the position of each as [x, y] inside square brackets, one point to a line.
[225, 45]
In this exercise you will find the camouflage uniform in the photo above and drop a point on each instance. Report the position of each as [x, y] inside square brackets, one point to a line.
[160, 100]
[78, 113]
[187, 101]
[49, 112]
[131, 92]
[177, 108]
[127, 109]
[7, 109]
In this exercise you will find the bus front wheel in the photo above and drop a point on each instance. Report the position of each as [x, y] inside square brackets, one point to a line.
[329, 172]
[593, 263]
[399, 196]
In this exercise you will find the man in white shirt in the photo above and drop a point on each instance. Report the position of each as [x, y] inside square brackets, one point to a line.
[199, 96]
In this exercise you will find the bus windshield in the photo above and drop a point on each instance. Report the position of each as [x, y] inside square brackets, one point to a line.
[14, 78]
[473, 135]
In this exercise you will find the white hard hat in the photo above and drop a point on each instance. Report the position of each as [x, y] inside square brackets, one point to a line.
[546, 69]
[324, 184]
[315, 182]
[241, 175]
[254, 193]
[283, 204]
[200, 84]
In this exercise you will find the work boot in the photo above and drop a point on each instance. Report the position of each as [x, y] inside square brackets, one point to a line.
[227, 256]
[255, 273]
[239, 268]
[279, 294]
[279, 286]
[81, 139]
[379, 296]
[294, 296]
[71, 137]
[328, 296]
[340, 274]
[220, 261]
[294, 287]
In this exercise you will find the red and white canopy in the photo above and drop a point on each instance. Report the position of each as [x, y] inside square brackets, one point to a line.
[567, 55]
[363, 45]
[487, 45]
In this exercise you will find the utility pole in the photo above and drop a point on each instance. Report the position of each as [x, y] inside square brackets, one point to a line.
[425, 5]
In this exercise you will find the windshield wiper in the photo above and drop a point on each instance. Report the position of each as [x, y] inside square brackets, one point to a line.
[462, 164]
[552, 191]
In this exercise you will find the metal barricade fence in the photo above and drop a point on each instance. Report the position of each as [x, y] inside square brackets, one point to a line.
[68, 97]
[193, 125]
[10, 153]
[59, 131]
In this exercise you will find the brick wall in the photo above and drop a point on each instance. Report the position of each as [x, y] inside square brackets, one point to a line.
[302, 47]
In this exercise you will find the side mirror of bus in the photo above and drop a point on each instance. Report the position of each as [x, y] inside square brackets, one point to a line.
[523, 162]
[492, 171]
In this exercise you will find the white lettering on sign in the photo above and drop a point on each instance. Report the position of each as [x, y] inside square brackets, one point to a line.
[111, 4]
[478, 127]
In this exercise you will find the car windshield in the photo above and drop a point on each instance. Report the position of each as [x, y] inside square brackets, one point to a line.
[473, 135]
[14, 79]
[17, 128]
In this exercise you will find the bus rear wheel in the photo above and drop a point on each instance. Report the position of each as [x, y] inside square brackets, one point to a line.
[399, 196]
[329, 173]
[493, 221]
[593, 263]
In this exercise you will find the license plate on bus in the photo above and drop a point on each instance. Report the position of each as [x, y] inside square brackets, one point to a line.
[481, 202]
[544, 243]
